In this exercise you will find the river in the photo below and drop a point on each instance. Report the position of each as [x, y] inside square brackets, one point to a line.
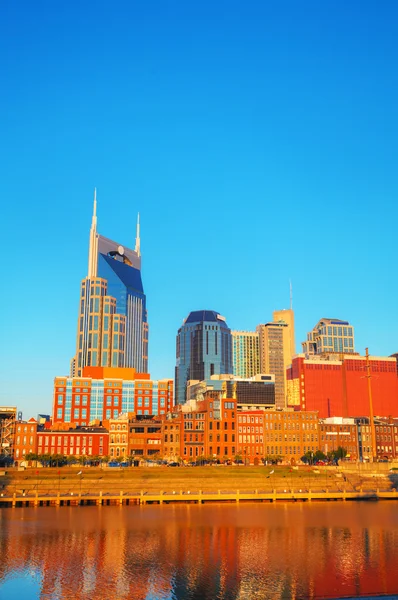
[208, 552]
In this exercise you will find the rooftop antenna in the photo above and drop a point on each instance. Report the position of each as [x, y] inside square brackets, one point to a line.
[137, 238]
[291, 294]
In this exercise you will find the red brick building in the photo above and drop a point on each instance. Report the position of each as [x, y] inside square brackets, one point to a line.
[339, 432]
[250, 436]
[25, 439]
[340, 387]
[80, 441]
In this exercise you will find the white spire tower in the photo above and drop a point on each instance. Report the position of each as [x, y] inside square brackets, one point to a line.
[137, 237]
[93, 247]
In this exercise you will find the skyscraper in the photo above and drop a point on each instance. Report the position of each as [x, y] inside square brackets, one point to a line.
[330, 336]
[112, 326]
[204, 348]
[245, 353]
[277, 348]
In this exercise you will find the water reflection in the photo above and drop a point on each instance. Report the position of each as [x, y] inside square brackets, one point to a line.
[201, 552]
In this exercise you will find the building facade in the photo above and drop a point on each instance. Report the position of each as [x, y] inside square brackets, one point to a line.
[77, 441]
[291, 434]
[253, 393]
[203, 349]
[339, 432]
[340, 387]
[112, 326]
[330, 336]
[102, 394]
[245, 353]
[145, 437]
[25, 439]
[275, 356]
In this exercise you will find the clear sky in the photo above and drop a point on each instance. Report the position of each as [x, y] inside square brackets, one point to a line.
[258, 140]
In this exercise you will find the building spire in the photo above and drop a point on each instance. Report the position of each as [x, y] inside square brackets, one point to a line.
[93, 246]
[94, 220]
[137, 237]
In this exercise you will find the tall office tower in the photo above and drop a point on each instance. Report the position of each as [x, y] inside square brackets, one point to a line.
[287, 316]
[272, 340]
[330, 336]
[245, 353]
[112, 327]
[204, 348]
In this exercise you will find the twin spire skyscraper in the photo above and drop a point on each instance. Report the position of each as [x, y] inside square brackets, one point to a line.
[112, 328]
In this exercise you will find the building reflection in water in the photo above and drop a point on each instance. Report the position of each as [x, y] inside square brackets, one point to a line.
[203, 552]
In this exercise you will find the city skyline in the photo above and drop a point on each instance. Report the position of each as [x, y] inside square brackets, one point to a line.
[257, 143]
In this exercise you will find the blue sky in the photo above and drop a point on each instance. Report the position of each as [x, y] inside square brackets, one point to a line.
[258, 140]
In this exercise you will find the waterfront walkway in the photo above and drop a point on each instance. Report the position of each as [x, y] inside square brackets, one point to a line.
[188, 497]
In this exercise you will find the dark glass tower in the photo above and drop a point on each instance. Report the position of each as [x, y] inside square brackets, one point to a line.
[204, 348]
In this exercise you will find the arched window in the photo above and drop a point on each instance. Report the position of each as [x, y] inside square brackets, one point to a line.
[112, 439]
[117, 451]
[112, 451]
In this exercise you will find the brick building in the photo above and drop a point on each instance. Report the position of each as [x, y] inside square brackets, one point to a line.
[25, 439]
[144, 437]
[339, 387]
[171, 436]
[291, 434]
[78, 441]
[104, 393]
[338, 432]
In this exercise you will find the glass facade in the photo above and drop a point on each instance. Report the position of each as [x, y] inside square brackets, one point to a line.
[204, 348]
[330, 336]
[105, 399]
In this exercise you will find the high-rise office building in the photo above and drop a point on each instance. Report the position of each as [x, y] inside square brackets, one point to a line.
[245, 353]
[112, 326]
[287, 316]
[273, 339]
[204, 348]
[328, 336]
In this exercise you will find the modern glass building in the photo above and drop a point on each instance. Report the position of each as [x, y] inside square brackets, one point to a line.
[330, 336]
[112, 326]
[204, 348]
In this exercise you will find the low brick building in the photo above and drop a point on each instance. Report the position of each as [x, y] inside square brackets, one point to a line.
[79, 441]
[25, 439]
[339, 432]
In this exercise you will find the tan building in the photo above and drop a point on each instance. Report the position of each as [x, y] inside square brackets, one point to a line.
[277, 348]
[245, 353]
[287, 316]
[171, 435]
[118, 436]
[291, 434]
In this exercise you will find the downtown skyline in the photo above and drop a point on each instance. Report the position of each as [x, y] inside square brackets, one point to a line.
[247, 171]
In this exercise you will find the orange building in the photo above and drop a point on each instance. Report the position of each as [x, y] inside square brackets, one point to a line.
[144, 437]
[104, 393]
[337, 386]
[251, 436]
[25, 439]
[171, 436]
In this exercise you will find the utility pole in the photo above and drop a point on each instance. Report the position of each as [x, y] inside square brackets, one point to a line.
[371, 418]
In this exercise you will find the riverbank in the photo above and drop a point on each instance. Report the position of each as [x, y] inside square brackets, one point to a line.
[132, 482]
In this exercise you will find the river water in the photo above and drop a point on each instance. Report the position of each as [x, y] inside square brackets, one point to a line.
[224, 551]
